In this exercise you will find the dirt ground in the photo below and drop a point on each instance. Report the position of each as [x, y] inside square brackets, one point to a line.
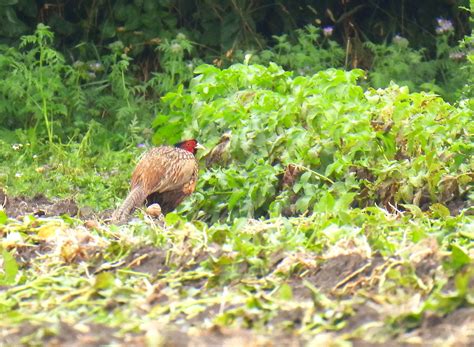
[40, 206]
[336, 277]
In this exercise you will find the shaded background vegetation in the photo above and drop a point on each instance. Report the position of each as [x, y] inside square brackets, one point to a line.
[160, 43]
[219, 26]
[84, 29]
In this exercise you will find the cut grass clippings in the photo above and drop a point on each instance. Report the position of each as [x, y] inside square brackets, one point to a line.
[380, 277]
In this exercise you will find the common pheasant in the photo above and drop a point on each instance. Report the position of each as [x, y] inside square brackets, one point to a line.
[220, 153]
[164, 175]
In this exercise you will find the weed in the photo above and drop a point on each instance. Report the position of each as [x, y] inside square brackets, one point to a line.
[352, 148]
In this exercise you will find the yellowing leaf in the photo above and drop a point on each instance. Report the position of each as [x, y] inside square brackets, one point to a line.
[48, 231]
[104, 280]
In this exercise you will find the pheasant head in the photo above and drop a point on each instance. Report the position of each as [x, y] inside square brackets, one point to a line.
[190, 145]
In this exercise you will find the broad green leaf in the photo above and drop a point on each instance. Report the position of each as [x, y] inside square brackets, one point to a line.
[10, 269]
[235, 198]
[459, 256]
[303, 203]
[3, 217]
[326, 203]
[285, 292]
[439, 210]
[172, 218]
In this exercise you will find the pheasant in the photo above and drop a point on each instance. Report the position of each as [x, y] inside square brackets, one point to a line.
[220, 153]
[164, 175]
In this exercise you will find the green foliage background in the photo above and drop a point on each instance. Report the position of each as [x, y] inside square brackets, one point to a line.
[346, 194]
[353, 148]
[287, 33]
[111, 77]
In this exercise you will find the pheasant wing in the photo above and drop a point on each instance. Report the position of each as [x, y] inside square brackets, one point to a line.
[166, 168]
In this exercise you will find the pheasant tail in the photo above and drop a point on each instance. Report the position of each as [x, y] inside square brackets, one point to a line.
[135, 198]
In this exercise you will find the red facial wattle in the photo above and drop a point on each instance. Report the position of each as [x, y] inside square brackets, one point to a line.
[188, 145]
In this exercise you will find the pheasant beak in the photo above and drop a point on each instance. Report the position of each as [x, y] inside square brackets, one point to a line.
[199, 146]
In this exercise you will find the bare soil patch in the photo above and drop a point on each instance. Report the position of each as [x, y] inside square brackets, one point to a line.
[38, 205]
[89, 335]
[455, 329]
[24, 255]
[147, 259]
[93, 335]
[335, 273]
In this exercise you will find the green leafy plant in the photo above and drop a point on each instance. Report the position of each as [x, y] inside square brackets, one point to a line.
[33, 88]
[43, 93]
[350, 147]
[177, 68]
[311, 51]
[399, 63]
[445, 74]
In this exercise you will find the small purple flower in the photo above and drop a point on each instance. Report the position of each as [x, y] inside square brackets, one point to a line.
[444, 26]
[141, 145]
[327, 31]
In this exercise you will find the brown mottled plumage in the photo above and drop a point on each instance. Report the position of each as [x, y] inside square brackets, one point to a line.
[220, 153]
[164, 175]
